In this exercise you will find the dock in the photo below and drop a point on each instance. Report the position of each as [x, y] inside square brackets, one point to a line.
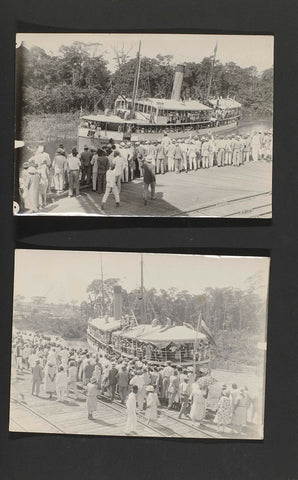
[232, 192]
[40, 414]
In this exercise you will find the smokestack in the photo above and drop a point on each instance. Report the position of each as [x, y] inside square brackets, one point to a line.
[178, 79]
[117, 302]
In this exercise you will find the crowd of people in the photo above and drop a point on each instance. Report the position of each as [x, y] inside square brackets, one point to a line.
[109, 166]
[139, 384]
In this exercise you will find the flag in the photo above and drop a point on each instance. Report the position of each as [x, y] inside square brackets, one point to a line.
[206, 331]
[215, 50]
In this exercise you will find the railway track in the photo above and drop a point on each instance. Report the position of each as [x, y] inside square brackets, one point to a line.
[34, 413]
[158, 427]
[246, 206]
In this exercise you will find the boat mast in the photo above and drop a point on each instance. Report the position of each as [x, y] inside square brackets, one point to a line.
[195, 350]
[143, 304]
[102, 288]
[211, 72]
[136, 82]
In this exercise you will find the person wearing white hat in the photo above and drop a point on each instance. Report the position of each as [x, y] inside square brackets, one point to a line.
[91, 401]
[152, 403]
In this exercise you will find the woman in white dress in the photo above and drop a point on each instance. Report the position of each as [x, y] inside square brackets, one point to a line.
[198, 407]
[131, 408]
[50, 378]
[152, 403]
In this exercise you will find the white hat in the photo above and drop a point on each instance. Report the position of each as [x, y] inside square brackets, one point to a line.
[150, 388]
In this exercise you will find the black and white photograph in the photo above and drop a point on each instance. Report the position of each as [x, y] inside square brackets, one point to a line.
[144, 125]
[139, 344]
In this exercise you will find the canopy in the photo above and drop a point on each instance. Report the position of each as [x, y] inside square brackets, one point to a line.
[174, 334]
[105, 324]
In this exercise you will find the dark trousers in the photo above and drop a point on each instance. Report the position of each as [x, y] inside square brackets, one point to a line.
[101, 182]
[112, 387]
[86, 174]
[123, 393]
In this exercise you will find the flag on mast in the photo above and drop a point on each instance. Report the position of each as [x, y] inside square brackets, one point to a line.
[206, 331]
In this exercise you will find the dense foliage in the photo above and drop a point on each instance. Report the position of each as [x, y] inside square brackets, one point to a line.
[78, 79]
[235, 317]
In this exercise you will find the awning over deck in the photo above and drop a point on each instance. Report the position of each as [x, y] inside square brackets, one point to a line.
[174, 334]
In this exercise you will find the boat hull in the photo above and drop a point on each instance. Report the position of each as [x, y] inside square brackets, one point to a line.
[84, 137]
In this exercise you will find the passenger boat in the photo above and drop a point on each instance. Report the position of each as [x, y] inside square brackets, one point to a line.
[139, 120]
[124, 335]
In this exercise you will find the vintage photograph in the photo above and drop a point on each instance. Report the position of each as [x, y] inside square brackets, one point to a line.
[132, 344]
[159, 125]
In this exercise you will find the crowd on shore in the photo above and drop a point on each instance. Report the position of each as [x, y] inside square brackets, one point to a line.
[106, 167]
[140, 385]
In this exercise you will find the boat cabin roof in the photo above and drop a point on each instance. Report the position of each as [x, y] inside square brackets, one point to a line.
[169, 104]
[105, 324]
[224, 103]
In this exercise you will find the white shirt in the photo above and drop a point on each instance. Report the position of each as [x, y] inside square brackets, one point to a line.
[111, 178]
[119, 165]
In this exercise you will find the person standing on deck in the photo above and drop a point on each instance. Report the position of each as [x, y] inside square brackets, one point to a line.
[59, 167]
[61, 384]
[138, 380]
[198, 408]
[131, 408]
[221, 151]
[166, 142]
[113, 380]
[73, 168]
[205, 152]
[166, 374]
[178, 157]
[170, 156]
[91, 400]
[86, 166]
[255, 147]
[119, 166]
[102, 168]
[123, 381]
[173, 388]
[111, 187]
[36, 378]
[237, 152]
[72, 379]
[94, 165]
[50, 379]
[184, 396]
[152, 403]
[246, 149]
[87, 372]
[239, 412]
[149, 179]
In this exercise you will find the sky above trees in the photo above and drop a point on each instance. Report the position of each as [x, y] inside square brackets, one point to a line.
[245, 50]
[65, 275]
